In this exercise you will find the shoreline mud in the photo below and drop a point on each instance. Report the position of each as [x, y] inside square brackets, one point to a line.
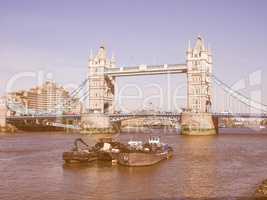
[261, 191]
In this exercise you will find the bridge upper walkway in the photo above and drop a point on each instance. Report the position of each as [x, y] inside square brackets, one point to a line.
[146, 70]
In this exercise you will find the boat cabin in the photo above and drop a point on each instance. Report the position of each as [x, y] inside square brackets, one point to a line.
[135, 144]
[154, 141]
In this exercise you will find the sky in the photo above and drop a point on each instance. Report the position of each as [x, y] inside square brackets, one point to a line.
[52, 39]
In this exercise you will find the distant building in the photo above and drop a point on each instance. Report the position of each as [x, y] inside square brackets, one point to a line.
[47, 98]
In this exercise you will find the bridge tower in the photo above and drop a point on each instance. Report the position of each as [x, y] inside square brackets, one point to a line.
[101, 87]
[101, 92]
[199, 64]
[197, 119]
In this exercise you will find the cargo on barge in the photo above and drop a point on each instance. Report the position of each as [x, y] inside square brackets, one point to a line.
[81, 152]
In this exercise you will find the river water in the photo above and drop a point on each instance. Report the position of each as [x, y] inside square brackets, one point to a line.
[229, 165]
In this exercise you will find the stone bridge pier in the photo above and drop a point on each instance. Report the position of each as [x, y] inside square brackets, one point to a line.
[3, 113]
[198, 124]
[98, 123]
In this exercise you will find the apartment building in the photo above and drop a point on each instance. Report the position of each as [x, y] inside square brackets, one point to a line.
[47, 98]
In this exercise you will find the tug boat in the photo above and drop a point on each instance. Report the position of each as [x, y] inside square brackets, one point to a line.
[139, 154]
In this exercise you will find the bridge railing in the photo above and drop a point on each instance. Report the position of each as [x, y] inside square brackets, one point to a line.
[175, 65]
[145, 68]
[151, 67]
[246, 115]
[130, 68]
[116, 69]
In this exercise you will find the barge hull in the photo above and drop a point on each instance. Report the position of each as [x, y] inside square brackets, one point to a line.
[74, 157]
[136, 159]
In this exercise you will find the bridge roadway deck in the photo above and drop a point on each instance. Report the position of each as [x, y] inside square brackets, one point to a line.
[43, 117]
[77, 116]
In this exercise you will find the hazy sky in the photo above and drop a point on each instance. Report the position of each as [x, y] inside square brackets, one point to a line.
[56, 37]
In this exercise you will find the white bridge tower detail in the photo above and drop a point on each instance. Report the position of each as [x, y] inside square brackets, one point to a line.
[199, 78]
[101, 87]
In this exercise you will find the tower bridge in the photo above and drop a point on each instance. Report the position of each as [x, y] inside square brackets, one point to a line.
[198, 69]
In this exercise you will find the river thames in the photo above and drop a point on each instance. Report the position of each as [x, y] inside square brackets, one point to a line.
[229, 165]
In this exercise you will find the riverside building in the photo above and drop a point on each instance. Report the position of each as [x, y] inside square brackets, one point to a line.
[47, 98]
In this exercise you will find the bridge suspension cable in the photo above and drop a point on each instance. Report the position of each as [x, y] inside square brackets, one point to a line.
[77, 90]
[251, 103]
[84, 96]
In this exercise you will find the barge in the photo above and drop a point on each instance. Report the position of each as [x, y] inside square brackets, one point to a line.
[132, 154]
